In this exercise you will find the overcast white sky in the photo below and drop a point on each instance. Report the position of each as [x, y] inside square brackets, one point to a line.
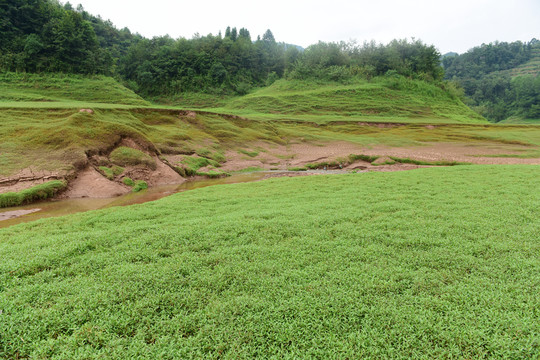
[451, 25]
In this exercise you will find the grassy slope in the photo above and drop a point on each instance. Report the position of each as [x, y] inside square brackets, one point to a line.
[57, 139]
[382, 99]
[379, 265]
[55, 88]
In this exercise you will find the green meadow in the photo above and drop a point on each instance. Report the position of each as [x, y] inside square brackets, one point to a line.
[429, 263]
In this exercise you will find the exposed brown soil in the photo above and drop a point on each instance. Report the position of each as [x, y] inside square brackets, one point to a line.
[90, 183]
[162, 175]
[282, 157]
[383, 160]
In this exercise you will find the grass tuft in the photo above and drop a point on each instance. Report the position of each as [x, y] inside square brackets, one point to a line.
[139, 186]
[422, 162]
[248, 153]
[128, 181]
[367, 158]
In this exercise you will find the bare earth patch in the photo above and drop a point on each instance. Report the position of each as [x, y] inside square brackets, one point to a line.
[90, 183]
[457, 152]
[282, 157]
[162, 175]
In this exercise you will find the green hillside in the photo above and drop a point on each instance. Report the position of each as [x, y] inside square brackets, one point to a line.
[501, 80]
[383, 99]
[62, 88]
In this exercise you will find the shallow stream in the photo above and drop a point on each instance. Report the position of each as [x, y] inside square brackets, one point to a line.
[15, 215]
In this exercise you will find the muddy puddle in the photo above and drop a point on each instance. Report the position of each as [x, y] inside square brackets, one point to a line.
[27, 213]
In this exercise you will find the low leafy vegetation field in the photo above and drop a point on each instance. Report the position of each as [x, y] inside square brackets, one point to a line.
[430, 263]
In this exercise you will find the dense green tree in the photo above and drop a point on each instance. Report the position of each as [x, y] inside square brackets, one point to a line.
[234, 34]
[268, 36]
[485, 59]
[42, 35]
[244, 34]
[342, 60]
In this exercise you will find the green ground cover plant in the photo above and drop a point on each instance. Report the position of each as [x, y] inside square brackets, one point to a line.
[248, 153]
[111, 172]
[128, 181]
[194, 163]
[429, 263]
[421, 162]
[213, 174]
[249, 169]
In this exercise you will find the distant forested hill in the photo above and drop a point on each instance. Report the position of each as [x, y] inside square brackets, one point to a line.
[40, 36]
[501, 80]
